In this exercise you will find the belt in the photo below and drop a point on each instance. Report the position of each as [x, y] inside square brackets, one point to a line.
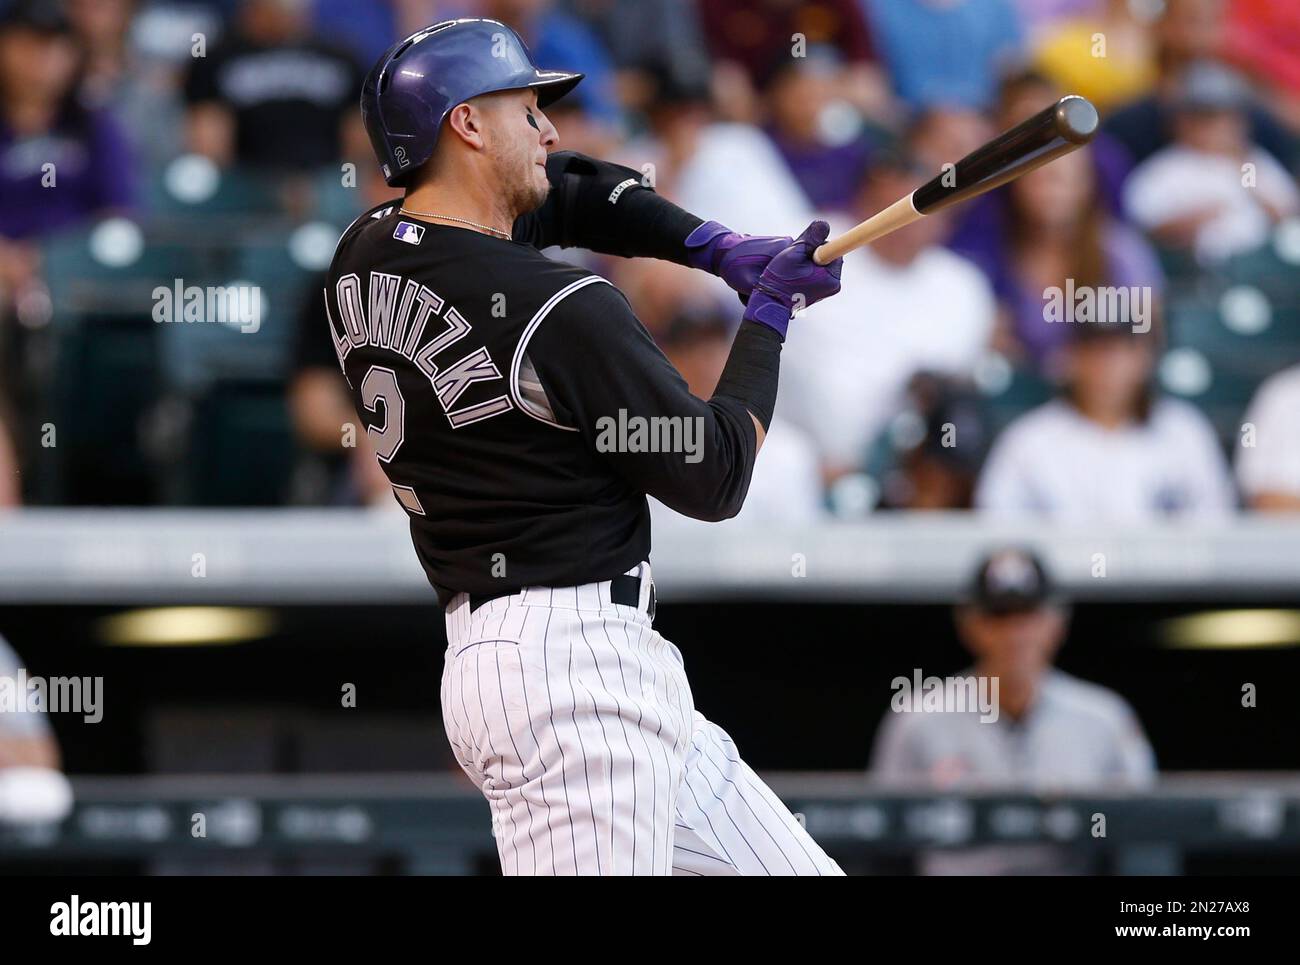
[624, 590]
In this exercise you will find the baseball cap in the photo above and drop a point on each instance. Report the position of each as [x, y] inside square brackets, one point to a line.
[1011, 580]
[1206, 85]
[950, 403]
[43, 16]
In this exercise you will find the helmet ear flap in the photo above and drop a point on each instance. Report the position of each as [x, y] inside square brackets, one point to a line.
[400, 121]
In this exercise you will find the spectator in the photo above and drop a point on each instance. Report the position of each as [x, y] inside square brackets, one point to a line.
[1197, 193]
[676, 117]
[273, 96]
[584, 131]
[754, 33]
[564, 43]
[1054, 229]
[60, 162]
[1052, 731]
[786, 485]
[1268, 471]
[910, 305]
[368, 29]
[1040, 17]
[653, 44]
[1108, 449]
[1188, 31]
[663, 291]
[946, 53]
[938, 469]
[142, 91]
[747, 36]
[1263, 38]
[737, 176]
[982, 222]
[11, 490]
[1107, 57]
[25, 738]
[820, 136]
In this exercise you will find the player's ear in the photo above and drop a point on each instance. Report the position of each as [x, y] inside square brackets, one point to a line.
[466, 120]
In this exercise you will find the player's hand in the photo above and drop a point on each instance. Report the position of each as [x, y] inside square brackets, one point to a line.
[737, 259]
[792, 281]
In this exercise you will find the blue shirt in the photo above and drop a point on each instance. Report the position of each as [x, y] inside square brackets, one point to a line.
[945, 53]
[561, 42]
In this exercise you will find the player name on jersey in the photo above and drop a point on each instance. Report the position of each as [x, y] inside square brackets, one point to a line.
[393, 313]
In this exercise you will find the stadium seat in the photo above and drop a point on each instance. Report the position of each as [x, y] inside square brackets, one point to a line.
[242, 449]
[1238, 326]
[107, 387]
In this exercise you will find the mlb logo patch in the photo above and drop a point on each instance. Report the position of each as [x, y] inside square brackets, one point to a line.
[412, 234]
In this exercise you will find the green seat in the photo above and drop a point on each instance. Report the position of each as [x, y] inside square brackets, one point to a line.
[242, 448]
[1025, 390]
[80, 280]
[107, 385]
[235, 191]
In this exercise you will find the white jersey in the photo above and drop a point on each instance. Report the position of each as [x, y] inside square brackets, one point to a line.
[1178, 181]
[1053, 462]
[1272, 463]
[849, 358]
[575, 719]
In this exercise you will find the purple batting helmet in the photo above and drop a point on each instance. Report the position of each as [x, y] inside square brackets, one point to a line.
[418, 81]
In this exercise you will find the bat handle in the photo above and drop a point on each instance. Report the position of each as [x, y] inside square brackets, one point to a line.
[901, 212]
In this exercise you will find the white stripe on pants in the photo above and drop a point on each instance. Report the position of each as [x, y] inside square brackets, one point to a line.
[575, 718]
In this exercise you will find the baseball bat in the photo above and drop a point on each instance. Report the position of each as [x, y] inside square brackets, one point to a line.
[1054, 131]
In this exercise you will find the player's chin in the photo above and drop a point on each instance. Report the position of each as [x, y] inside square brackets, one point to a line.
[541, 186]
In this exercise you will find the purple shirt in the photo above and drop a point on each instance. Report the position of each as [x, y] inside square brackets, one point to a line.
[1130, 262]
[980, 222]
[829, 174]
[92, 173]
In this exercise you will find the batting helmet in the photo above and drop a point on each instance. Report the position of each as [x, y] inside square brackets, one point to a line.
[418, 81]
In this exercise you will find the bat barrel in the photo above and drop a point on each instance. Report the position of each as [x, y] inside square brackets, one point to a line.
[1053, 132]
[1076, 119]
[1057, 129]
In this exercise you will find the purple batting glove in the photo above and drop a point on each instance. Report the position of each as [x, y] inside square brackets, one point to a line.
[735, 258]
[793, 281]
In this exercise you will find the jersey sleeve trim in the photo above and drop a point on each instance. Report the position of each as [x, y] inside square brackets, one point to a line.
[527, 406]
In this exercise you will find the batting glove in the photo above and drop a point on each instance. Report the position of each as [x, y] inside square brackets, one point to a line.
[735, 258]
[793, 281]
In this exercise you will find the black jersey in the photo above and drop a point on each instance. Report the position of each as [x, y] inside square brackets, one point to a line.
[519, 408]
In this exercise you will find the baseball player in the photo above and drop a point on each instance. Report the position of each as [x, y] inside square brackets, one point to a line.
[516, 404]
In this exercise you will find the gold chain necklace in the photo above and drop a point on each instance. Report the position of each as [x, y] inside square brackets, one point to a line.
[446, 217]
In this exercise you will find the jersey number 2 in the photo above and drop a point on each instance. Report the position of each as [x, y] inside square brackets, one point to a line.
[380, 385]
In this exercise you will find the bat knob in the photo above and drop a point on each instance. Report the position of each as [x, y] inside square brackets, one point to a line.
[1076, 119]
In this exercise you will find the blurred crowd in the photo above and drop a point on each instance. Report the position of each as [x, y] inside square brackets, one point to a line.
[1115, 336]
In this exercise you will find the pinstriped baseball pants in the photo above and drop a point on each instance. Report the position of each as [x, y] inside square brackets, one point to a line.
[575, 718]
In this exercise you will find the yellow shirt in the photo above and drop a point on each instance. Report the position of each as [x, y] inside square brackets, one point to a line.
[1067, 58]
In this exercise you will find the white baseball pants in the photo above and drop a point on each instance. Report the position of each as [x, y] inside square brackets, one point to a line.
[574, 717]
